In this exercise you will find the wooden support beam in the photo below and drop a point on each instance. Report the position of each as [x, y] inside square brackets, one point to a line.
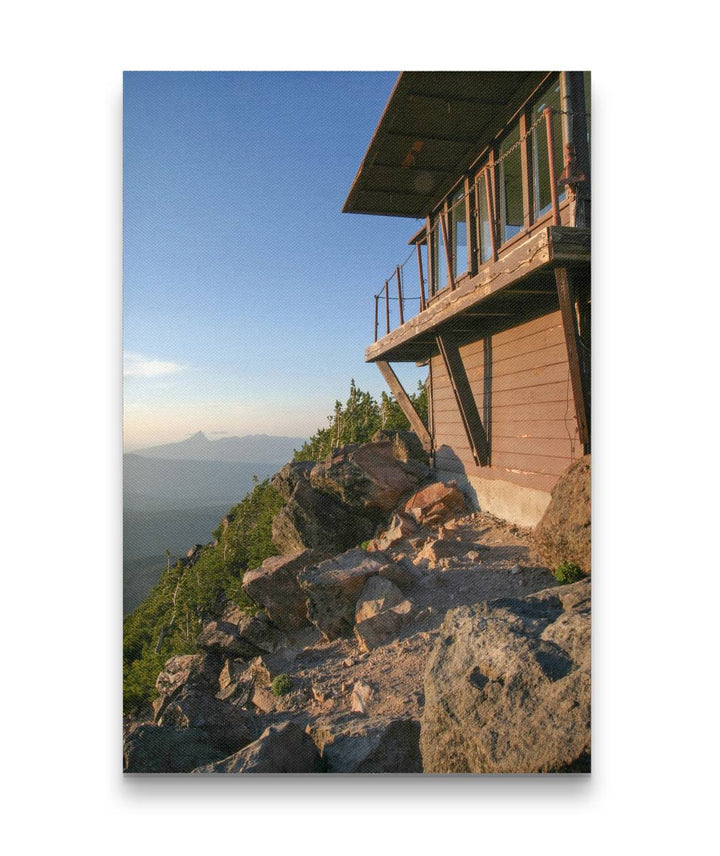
[578, 378]
[377, 297]
[403, 399]
[474, 429]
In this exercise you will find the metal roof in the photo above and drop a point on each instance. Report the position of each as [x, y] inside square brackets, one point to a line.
[433, 127]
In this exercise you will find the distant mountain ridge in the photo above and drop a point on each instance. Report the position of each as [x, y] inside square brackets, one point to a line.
[257, 448]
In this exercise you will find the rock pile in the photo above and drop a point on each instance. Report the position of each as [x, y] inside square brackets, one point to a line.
[349, 631]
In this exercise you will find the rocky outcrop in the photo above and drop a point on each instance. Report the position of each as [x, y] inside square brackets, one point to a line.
[283, 748]
[380, 613]
[290, 476]
[381, 745]
[563, 534]
[317, 521]
[237, 634]
[154, 749]
[332, 588]
[402, 526]
[406, 445]
[275, 587]
[507, 688]
[227, 726]
[436, 503]
[368, 478]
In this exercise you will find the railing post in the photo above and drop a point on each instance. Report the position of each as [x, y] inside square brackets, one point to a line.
[377, 297]
[547, 112]
[387, 309]
[420, 273]
[400, 295]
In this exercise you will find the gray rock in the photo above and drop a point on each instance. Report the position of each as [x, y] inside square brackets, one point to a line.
[377, 594]
[333, 587]
[239, 634]
[507, 687]
[382, 627]
[563, 534]
[154, 749]
[436, 503]
[379, 745]
[315, 520]
[368, 477]
[406, 445]
[228, 726]
[274, 586]
[283, 748]
[289, 477]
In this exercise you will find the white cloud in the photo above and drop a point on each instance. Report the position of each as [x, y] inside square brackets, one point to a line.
[137, 365]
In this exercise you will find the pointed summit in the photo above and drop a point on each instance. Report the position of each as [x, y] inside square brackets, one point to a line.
[197, 437]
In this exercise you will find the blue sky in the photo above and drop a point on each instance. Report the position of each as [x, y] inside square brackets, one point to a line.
[247, 294]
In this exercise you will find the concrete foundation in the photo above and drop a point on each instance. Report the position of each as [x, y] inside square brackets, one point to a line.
[521, 505]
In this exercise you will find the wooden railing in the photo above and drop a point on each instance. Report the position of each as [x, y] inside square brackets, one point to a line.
[393, 292]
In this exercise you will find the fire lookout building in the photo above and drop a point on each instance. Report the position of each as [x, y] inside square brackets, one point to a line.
[495, 295]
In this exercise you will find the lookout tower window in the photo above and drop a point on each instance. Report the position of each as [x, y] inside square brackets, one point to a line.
[542, 199]
[459, 234]
[511, 196]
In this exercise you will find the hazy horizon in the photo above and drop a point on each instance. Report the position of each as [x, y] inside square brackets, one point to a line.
[248, 295]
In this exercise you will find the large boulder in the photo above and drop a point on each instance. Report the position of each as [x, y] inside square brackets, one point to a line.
[274, 586]
[380, 745]
[283, 748]
[332, 588]
[406, 445]
[228, 726]
[317, 521]
[289, 476]
[507, 687]
[377, 594]
[238, 634]
[436, 503]
[197, 671]
[154, 749]
[383, 627]
[563, 533]
[368, 478]
[402, 526]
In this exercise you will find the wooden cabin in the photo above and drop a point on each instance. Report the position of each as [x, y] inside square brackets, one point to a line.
[494, 295]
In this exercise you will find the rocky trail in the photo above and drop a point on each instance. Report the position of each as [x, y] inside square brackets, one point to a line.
[384, 649]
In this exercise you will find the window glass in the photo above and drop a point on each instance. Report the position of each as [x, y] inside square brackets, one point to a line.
[439, 264]
[459, 234]
[511, 199]
[542, 201]
[484, 218]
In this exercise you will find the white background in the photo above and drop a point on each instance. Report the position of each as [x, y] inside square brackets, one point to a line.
[655, 426]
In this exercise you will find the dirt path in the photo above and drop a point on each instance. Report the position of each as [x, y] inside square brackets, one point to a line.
[486, 558]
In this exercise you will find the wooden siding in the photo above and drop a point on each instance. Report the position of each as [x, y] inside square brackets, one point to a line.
[526, 402]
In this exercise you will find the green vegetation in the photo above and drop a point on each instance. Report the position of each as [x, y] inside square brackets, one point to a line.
[281, 685]
[568, 572]
[169, 619]
[359, 419]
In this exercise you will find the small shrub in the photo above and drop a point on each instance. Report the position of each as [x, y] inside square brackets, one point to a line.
[364, 545]
[568, 572]
[281, 685]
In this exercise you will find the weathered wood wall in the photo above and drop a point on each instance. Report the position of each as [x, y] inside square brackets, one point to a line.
[521, 382]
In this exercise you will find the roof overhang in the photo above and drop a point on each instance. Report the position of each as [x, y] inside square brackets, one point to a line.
[433, 128]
